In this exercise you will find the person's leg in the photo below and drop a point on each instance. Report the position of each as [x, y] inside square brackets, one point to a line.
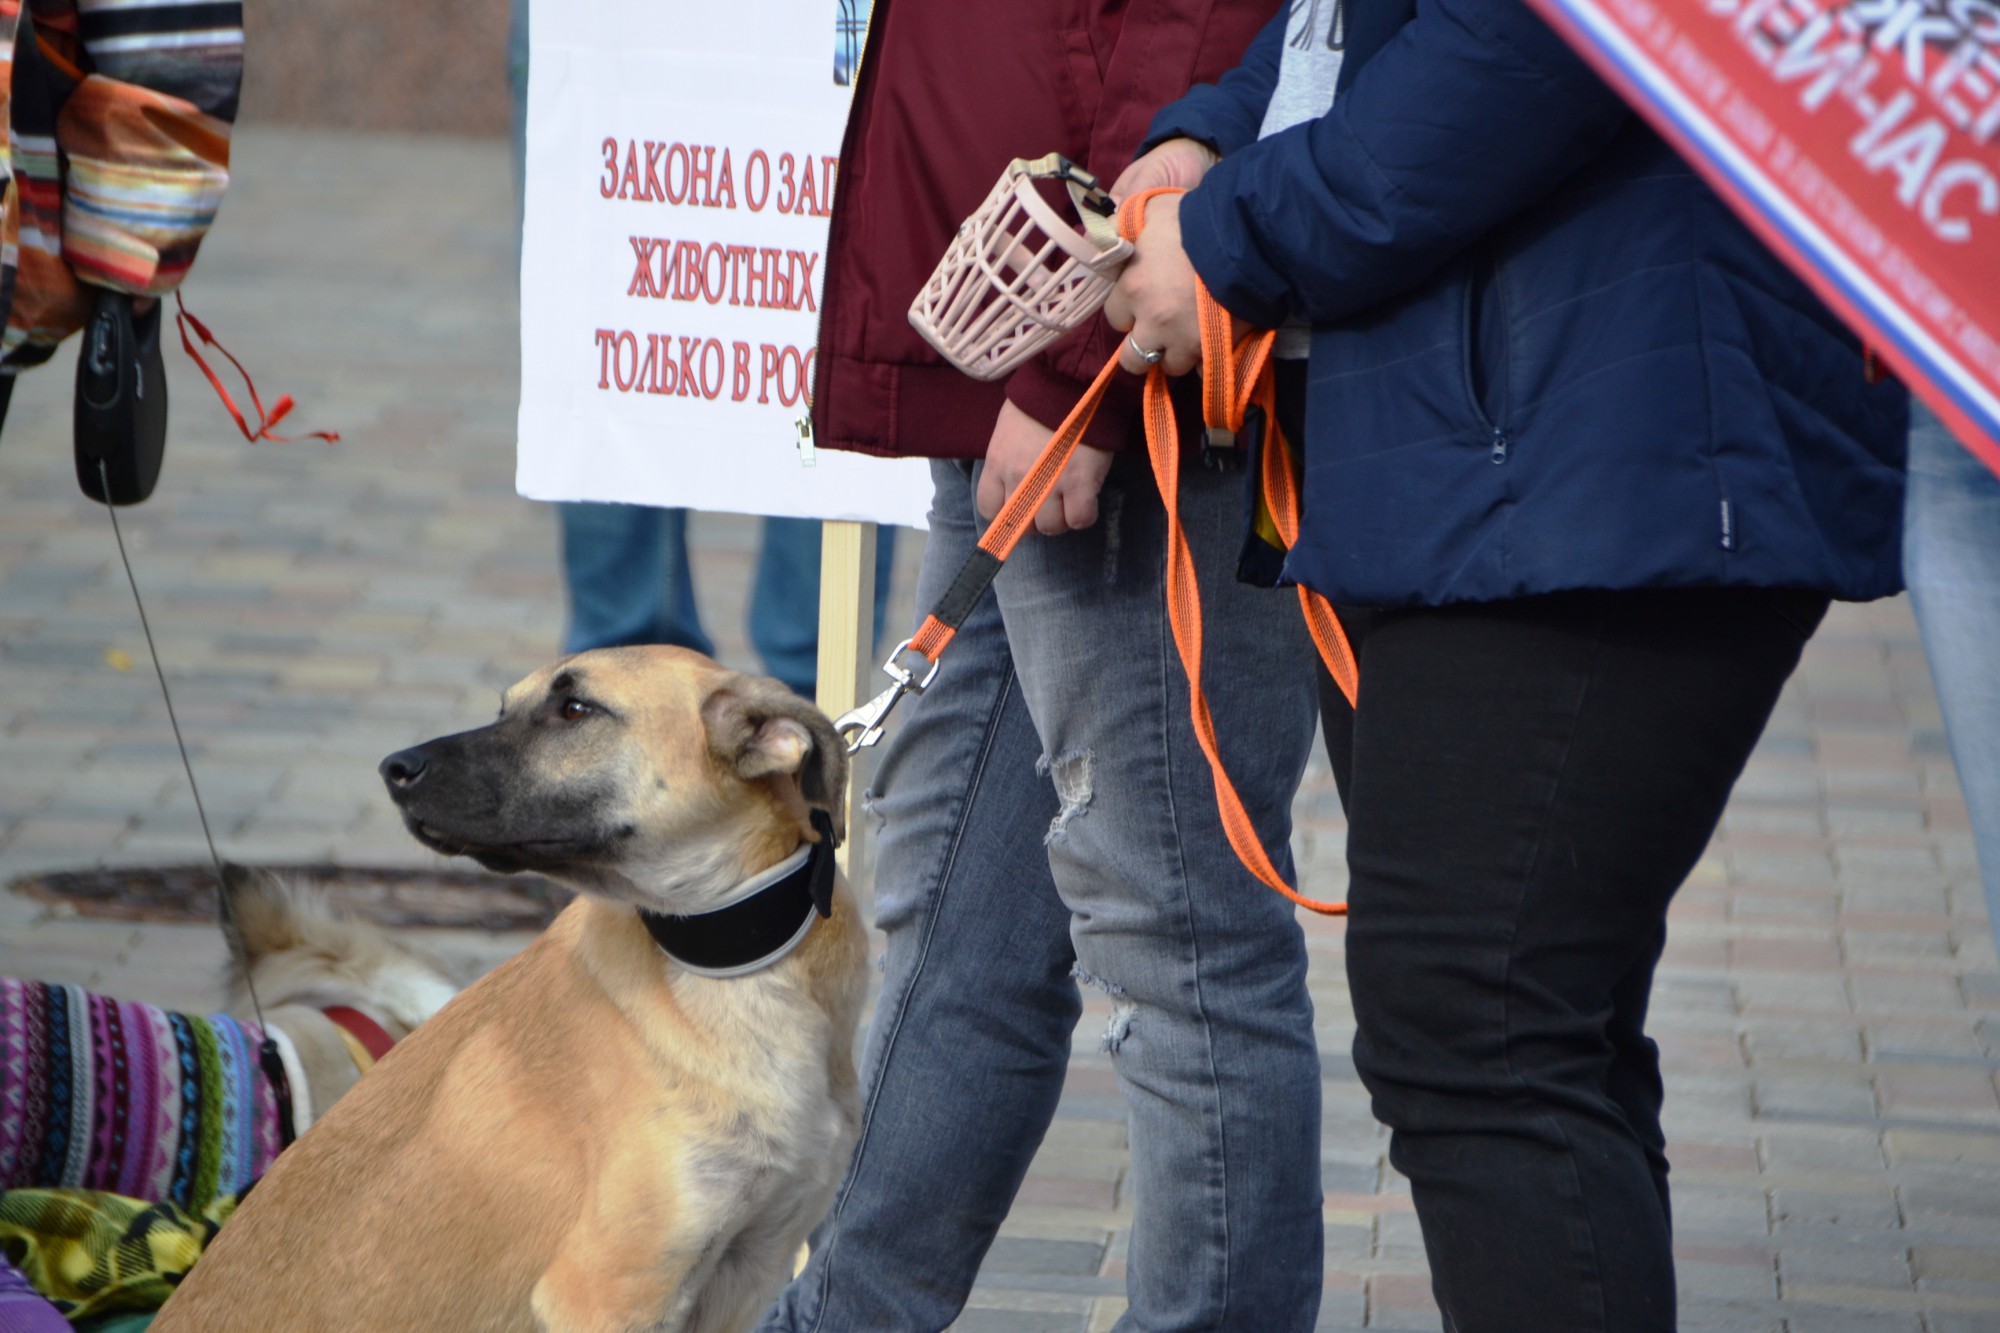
[1951, 557]
[1531, 782]
[1336, 718]
[1211, 1035]
[784, 600]
[1633, 1082]
[627, 573]
[969, 1043]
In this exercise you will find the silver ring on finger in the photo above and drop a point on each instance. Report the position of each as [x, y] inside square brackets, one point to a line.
[1152, 357]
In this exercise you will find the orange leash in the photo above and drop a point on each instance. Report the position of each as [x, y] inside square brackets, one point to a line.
[1236, 376]
[1004, 533]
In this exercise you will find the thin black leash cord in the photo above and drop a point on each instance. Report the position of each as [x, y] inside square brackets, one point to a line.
[232, 934]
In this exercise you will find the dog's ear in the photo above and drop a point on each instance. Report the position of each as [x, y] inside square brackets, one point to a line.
[758, 728]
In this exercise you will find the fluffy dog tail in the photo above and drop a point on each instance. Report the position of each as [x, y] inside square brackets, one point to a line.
[300, 951]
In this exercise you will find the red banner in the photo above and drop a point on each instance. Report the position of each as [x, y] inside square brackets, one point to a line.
[1861, 139]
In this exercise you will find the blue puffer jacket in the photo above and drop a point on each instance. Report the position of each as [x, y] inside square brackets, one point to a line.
[1545, 355]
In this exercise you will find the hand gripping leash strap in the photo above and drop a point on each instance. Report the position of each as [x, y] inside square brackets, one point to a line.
[862, 727]
[1235, 375]
[1011, 523]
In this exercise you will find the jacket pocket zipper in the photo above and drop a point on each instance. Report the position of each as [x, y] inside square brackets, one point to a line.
[1485, 277]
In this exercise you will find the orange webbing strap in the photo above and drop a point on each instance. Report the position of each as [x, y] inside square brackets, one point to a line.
[1233, 373]
[1184, 613]
[1282, 500]
[1011, 523]
[1233, 377]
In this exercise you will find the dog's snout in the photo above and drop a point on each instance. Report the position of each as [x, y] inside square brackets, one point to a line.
[404, 769]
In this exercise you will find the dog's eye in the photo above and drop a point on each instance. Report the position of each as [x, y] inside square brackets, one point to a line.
[575, 709]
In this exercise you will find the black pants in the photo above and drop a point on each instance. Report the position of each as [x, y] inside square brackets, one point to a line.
[1527, 783]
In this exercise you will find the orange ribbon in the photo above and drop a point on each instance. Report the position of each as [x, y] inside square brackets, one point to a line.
[185, 320]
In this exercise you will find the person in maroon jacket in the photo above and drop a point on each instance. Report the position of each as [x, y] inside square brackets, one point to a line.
[1047, 815]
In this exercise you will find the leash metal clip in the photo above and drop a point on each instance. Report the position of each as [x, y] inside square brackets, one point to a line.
[862, 727]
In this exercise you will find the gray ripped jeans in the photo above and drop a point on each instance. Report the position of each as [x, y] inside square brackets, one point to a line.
[1047, 815]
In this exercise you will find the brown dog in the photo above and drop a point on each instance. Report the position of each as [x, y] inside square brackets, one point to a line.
[633, 1124]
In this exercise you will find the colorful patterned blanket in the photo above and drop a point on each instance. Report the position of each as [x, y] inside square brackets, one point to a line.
[93, 1254]
[104, 1094]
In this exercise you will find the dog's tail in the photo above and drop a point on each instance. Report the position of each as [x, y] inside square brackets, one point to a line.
[300, 951]
[274, 916]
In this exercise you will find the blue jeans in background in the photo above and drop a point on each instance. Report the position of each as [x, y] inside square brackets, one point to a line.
[629, 581]
[1951, 559]
[1047, 816]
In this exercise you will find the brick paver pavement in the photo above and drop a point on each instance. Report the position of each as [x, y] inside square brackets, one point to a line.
[1829, 1007]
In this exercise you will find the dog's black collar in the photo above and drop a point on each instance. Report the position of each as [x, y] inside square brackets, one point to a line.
[757, 931]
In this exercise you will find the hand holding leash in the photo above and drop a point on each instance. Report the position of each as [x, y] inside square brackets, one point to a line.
[1016, 444]
[120, 416]
[1237, 378]
[1154, 299]
[1177, 164]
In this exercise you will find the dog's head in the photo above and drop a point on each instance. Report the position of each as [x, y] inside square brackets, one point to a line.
[647, 774]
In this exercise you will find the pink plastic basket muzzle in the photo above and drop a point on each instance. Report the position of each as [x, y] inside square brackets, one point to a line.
[1018, 276]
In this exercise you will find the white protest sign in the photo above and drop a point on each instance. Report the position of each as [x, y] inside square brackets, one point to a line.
[681, 165]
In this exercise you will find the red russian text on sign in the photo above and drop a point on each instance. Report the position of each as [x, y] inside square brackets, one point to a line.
[683, 367]
[720, 273]
[703, 176]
